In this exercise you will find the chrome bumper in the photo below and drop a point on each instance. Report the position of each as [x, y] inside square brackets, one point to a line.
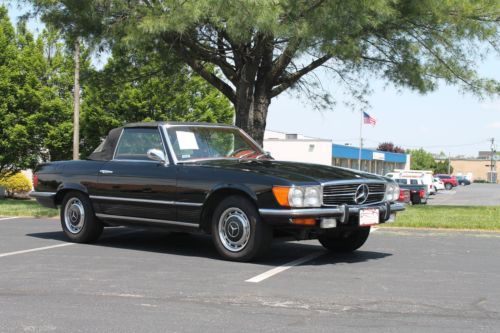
[35, 194]
[46, 199]
[338, 211]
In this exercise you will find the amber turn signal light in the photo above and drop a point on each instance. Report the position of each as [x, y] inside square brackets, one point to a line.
[304, 221]
[281, 195]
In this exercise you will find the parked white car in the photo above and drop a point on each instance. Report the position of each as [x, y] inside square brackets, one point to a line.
[424, 176]
[438, 184]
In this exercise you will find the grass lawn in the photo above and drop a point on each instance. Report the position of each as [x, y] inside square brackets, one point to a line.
[449, 217]
[10, 207]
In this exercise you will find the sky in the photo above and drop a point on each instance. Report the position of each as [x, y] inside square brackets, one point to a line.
[445, 120]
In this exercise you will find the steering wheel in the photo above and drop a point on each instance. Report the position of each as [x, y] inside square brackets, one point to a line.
[241, 152]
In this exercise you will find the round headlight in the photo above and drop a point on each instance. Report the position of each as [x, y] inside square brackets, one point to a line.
[389, 192]
[395, 196]
[312, 197]
[296, 197]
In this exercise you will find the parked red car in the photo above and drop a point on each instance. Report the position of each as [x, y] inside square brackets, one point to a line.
[448, 180]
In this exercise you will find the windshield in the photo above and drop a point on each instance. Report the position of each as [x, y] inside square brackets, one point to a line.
[198, 142]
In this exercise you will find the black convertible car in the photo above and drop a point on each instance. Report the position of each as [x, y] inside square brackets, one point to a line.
[215, 179]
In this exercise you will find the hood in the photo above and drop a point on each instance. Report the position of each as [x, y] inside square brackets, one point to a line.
[291, 171]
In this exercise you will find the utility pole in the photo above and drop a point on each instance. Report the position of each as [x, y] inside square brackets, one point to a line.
[360, 141]
[76, 103]
[449, 163]
[492, 159]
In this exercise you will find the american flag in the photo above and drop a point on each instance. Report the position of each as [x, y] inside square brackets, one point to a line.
[369, 120]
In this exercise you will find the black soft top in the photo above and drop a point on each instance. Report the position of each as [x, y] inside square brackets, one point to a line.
[106, 150]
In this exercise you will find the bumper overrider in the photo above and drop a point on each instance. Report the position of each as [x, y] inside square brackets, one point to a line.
[343, 214]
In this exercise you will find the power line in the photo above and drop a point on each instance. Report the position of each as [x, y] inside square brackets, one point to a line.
[435, 146]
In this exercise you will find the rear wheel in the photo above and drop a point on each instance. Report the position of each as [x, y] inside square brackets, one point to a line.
[448, 186]
[238, 231]
[344, 242]
[78, 220]
[415, 199]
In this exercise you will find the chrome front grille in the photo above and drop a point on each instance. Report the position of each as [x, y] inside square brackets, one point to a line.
[344, 193]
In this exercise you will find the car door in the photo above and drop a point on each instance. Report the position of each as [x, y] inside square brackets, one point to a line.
[132, 185]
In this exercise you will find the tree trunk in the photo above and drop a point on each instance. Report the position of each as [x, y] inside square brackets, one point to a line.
[76, 103]
[244, 108]
[260, 108]
[251, 113]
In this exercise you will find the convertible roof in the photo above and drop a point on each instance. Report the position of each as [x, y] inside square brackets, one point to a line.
[107, 149]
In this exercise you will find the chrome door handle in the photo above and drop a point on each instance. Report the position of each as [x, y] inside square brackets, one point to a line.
[105, 172]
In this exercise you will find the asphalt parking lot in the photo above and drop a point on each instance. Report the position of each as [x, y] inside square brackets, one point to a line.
[138, 281]
[475, 194]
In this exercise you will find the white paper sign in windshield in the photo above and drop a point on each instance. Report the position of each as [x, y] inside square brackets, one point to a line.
[186, 140]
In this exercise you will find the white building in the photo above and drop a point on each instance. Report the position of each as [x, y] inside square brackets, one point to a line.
[298, 148]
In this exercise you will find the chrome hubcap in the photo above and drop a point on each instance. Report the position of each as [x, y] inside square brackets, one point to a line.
[234, 229]
[74, 215]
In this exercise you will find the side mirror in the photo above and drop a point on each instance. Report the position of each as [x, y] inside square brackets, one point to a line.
[157, 155]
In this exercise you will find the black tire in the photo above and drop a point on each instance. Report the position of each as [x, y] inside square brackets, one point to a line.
[346, 241]
[238, 232]
[448, 186]
[415, 199]
[85, 228]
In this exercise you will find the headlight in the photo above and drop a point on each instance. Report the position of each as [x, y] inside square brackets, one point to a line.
[396, 192]
[392, 192]
[298, 196]
[312, 196]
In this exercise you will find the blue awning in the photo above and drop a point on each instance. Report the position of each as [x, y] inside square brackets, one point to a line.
[349, 152]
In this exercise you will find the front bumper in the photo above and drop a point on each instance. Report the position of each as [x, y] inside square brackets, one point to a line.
[344, 213]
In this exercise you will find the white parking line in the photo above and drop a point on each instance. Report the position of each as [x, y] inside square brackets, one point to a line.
[7, 254]
[35, 249]
[9, 218]
[276, 270]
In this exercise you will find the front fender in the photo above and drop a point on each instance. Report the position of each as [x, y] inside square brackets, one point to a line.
[235, 187]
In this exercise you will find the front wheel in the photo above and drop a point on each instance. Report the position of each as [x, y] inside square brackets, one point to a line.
[238, 231]
[448, 186]
[78, 220]
[346, 241]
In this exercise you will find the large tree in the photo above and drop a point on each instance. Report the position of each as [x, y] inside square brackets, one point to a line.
[36, 95]
[261, 48]
[33, 99]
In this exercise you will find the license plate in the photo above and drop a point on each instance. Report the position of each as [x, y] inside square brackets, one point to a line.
[369, 216]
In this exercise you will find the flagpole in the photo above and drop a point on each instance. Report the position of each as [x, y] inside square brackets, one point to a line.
[360, 140]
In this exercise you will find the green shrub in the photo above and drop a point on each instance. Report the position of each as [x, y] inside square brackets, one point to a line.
[17, 183]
